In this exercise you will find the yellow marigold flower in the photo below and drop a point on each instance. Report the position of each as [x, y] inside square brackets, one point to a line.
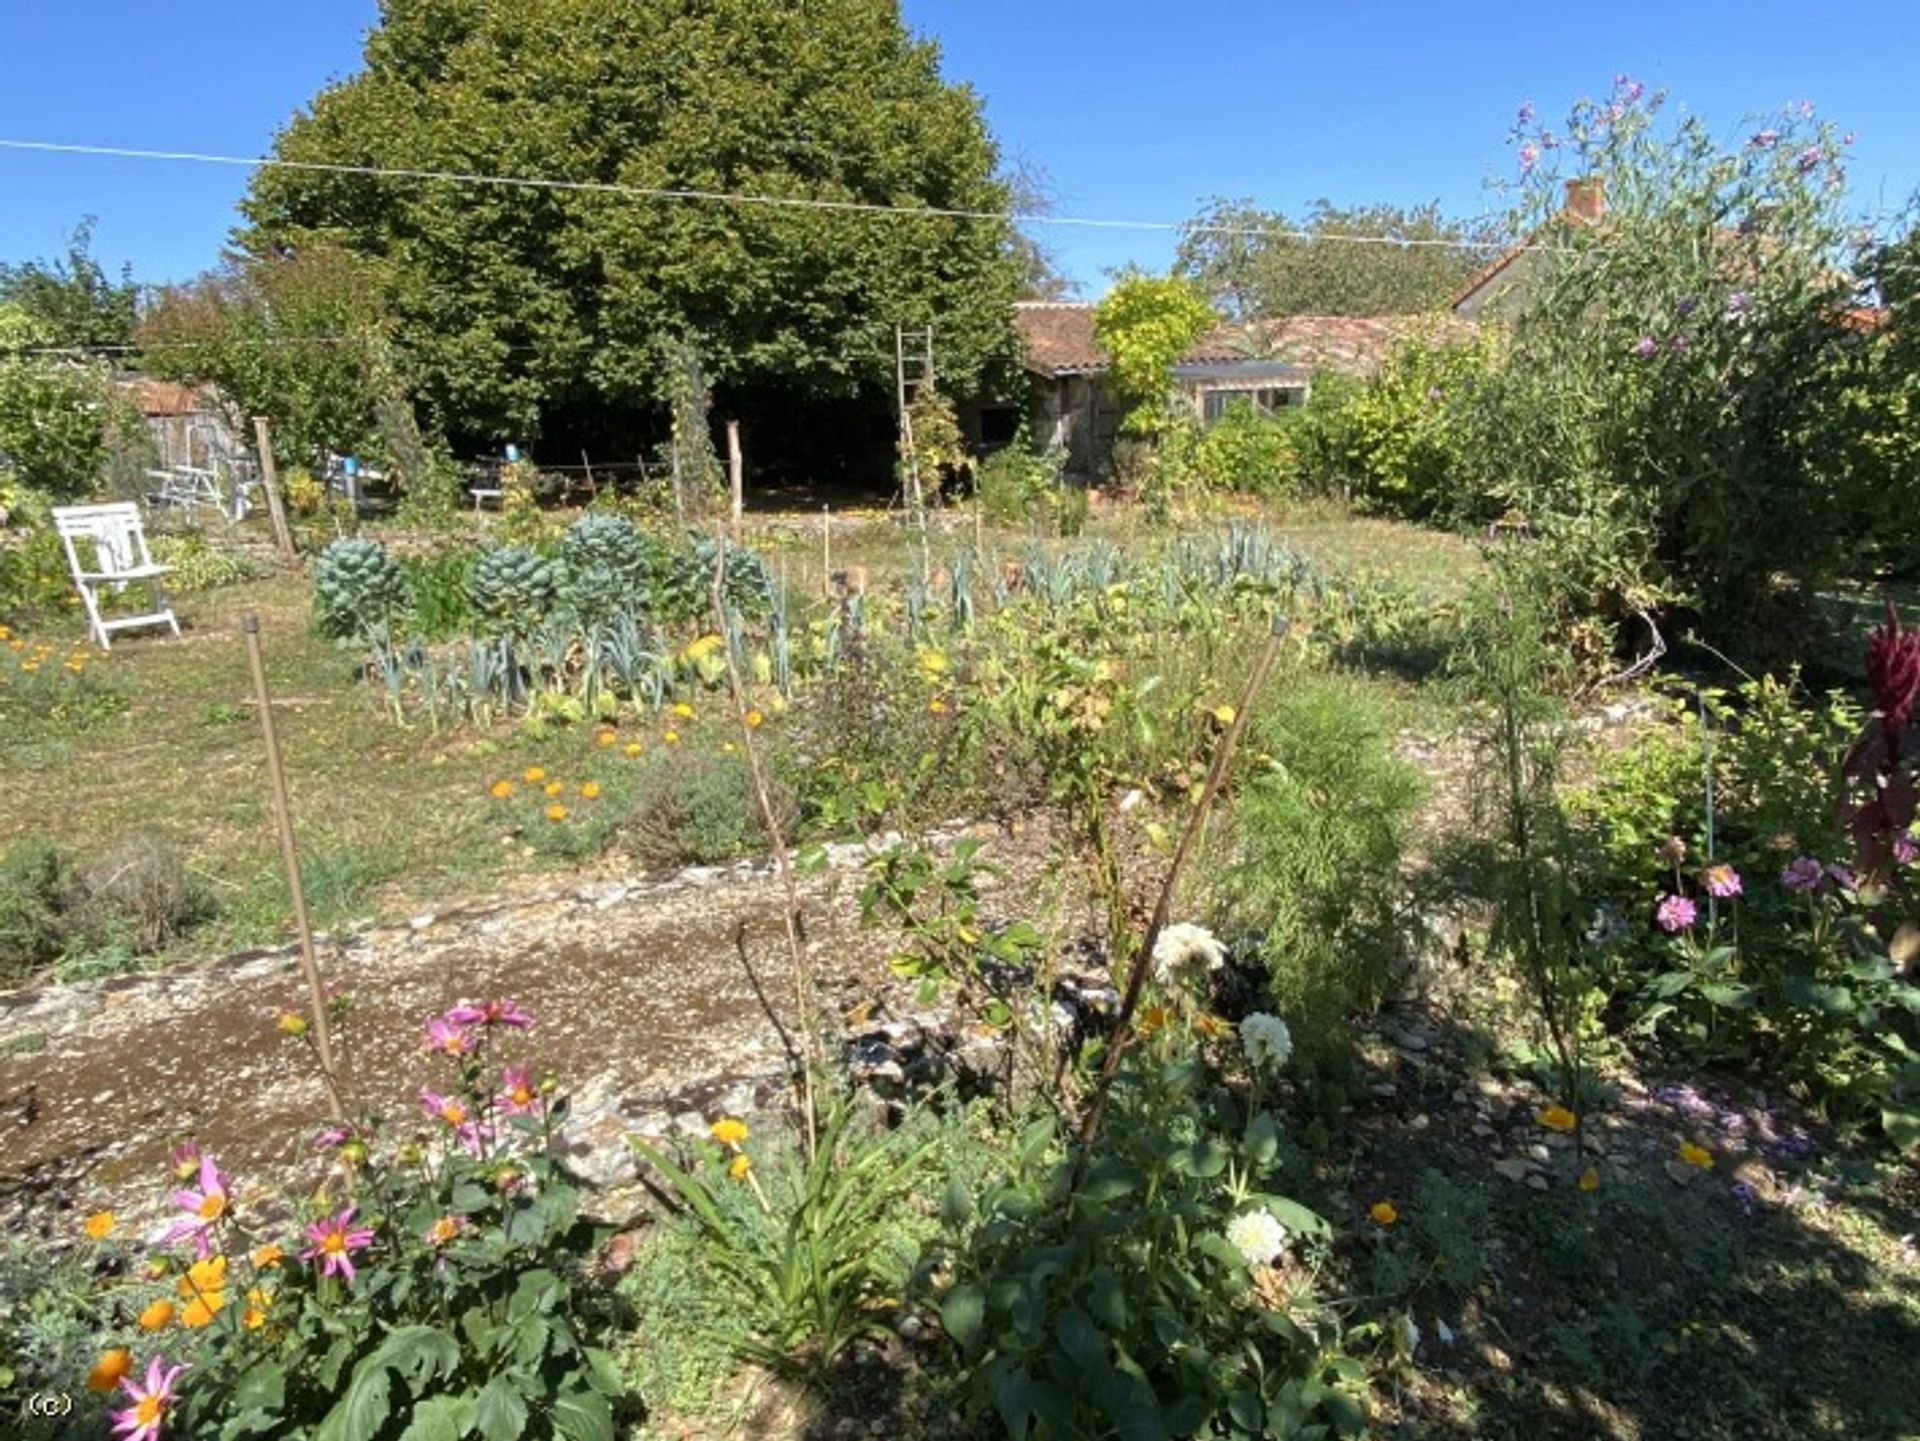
[633, 748]
[672, 738]
[203, 1276]
[255, 1316]
[1590, 1179]
[156, 1316]
[443, 1230]
[292, 1022]
[590, 790]
[1557, 1118]
[553, 788]
[4, 632]
[755, 719]
[681, 709]
[267, 1255]
[728, 748]
[500, 790]
[201, 1310]
[108, 1370]
[738, 1167]
[99, 1225]
[533, 775]
[1696, 1155]
[729, 1130]
[1384, 1213]
[937, 705]
[556, 812]
[1151, 1019]
[604, 737]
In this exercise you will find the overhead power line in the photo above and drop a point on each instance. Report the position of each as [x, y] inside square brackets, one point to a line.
[725, 197]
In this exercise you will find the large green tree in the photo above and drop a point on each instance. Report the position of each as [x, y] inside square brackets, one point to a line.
[1255, 263]
[72, 301]
[520, 308]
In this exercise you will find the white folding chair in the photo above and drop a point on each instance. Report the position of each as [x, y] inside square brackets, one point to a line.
[120, 556]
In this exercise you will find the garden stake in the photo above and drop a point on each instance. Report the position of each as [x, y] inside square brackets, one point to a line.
[1706, 763]
[270, 483]
[283, 822]
[826, 551]
[796, 942]
[1163, 907]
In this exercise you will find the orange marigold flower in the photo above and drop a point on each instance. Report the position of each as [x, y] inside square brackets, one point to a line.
[553, 788]
[500, 790]
[590, 790]
[1557, 1118]
[1384, 1213]
[672, 738]
[108, 1370]
[729, 1130]
[201, 1310]
[556, 812]
[633, 748]
[156, 1316]
[99, 1225]
[1696, 1155]
[533, 775]
[755, 719]
[738, 1167]
[267, 1255]
[681, 709]
[604, 737]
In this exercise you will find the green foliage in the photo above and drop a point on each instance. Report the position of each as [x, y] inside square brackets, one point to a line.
[1675, 367]
[62, 420]
[607, 568]
[200, 564]
[437, 585]
[1019, 486]
[1146, 323]
[1319, 831]
[512, 588]
[1255, 263]
[686, 584]
[54, 1311]
[300, 338]
[1121, 1307]
[1391, 443]
[359, 590]
[696, 810]
[801, 1254]
[35, 882]
[469, 1308]
[71, 301]
[527, 306]
[1249, 450]
[44, 697]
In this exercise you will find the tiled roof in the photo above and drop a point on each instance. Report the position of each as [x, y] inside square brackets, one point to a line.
[1059, 340]
[1353, 344]
[157, 398]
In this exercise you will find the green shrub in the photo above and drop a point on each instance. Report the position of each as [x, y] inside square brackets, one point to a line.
[198, 564]
[359, 591]
[608, 568]
[1318, 835]
[36, 878]
[437, 587]
[1166, 1295]
[1017, 485]
[34, 580]
[697, 809]
[1248, 450]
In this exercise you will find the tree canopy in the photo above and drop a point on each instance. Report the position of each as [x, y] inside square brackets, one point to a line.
[72, 302]
[1255, 263]
[516, 308]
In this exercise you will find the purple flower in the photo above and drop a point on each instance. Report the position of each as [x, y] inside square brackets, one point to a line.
[1547, 142]
[1805, 109]
[1744, 1193]
[1843, 877]
[1529, 154]
[204, 1208]
[1526, 113]
[1906, 848]
[1807, 159]
[1679, 342]
[1847, 139]
[333, 1243]
[1739, 303]
[1685, 305]
[501, 1012]
[1675, 914]
[1803, 873]
[1764, 139]
[1646, 347]
[1722, 881]
[449, 1037]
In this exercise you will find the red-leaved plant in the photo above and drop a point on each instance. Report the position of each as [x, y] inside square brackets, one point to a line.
[1880, 798]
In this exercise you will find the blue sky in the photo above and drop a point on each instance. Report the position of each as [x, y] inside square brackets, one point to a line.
[1131, 109]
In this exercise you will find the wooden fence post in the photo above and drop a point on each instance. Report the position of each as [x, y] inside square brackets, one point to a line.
[270, 482]
[734, 469]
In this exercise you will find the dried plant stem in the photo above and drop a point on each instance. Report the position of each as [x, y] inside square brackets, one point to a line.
[803, 989]
[1163, 907]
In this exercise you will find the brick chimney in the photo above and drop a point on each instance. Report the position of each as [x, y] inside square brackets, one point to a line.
[1586, 199]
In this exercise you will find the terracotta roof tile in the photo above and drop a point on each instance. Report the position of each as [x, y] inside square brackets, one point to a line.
[1059, 339]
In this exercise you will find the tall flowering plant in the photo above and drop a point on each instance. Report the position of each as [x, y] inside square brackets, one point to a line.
[434, 1274]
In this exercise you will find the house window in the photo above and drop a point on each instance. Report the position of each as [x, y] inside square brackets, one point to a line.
[1266, 399]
